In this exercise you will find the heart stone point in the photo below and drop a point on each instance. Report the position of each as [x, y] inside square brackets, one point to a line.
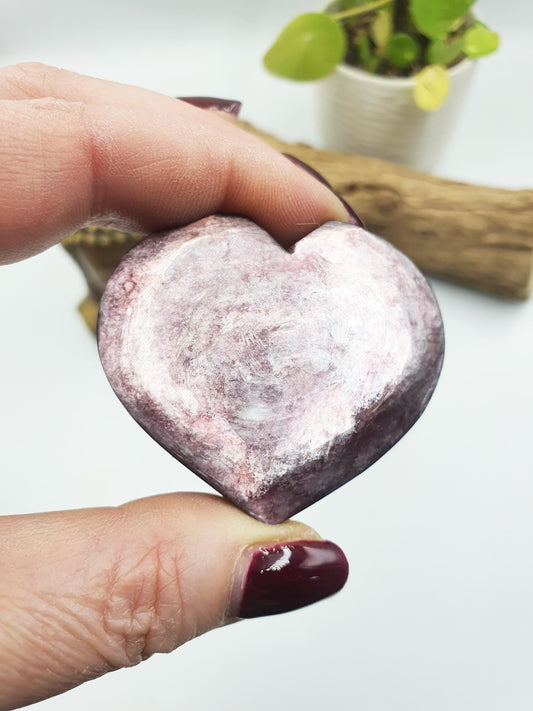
[275, 375]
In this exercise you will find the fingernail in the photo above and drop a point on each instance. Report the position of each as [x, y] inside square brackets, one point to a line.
[227, 106]
[352, 215]
[287, 576]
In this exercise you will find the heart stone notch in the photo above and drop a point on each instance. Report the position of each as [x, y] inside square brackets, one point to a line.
[275, 375]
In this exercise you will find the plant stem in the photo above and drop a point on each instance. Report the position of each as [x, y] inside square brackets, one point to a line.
[402, 18]
[360, 9]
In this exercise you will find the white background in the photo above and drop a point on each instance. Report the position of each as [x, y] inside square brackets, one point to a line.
[437, 613]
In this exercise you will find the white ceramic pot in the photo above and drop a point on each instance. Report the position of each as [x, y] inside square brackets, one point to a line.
[376, 116]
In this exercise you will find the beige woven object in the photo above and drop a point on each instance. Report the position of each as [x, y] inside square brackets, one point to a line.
[97, 251]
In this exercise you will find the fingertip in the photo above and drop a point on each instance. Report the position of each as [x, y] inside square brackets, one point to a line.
[343, 212]
[277, 194]
[283, 577]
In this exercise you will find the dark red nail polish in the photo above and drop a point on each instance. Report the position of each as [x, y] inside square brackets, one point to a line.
[353, 216]
[228, 106]
[287, 576]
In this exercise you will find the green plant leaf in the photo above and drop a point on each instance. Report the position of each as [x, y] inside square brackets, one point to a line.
[479, 41]
[381, 28]
[402, 50]
[442, 52]
[435, 18]
[310, 47]
[431, 87]
[367, 57]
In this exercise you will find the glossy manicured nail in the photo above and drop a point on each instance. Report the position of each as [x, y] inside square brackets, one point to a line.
[226, 106]
[287, 576]
[352, 215]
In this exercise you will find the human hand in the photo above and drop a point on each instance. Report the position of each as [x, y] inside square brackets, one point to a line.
[89, 591]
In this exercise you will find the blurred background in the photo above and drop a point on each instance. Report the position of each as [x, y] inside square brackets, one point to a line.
[437, 612]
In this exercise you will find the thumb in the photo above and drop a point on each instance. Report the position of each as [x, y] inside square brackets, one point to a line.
[89, 591]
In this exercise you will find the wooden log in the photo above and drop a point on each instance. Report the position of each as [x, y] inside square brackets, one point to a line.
[478, 236]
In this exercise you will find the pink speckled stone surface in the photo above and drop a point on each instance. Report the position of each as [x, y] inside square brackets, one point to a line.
[276, 376]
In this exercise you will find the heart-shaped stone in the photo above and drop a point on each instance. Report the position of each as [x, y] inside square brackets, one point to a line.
[275, 375]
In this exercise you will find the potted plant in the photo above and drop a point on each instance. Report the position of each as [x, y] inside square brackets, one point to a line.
[393, 72]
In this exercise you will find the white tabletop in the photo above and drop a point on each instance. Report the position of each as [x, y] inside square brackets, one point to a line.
[437, 613]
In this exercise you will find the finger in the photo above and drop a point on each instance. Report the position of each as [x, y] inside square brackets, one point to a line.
[32, 80]
[142, 164]
[86, 592]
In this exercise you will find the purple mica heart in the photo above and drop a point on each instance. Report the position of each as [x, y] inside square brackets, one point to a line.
[275, 375]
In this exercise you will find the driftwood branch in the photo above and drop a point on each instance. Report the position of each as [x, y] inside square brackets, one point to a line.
[478, 236]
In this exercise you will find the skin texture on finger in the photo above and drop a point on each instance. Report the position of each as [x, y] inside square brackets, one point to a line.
[32, 80]
[86, 592]
[135, 161]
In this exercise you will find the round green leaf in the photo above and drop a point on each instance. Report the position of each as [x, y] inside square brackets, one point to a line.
[441, 52]
[434, 18]
[309, 48]
[402, 50]
[431, 87]
[479, 41]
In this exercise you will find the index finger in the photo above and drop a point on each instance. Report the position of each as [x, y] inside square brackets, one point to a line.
[79, 151]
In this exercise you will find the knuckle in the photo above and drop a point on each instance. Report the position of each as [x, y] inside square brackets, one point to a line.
[40, 85]
[28, 78]
[142, 611]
